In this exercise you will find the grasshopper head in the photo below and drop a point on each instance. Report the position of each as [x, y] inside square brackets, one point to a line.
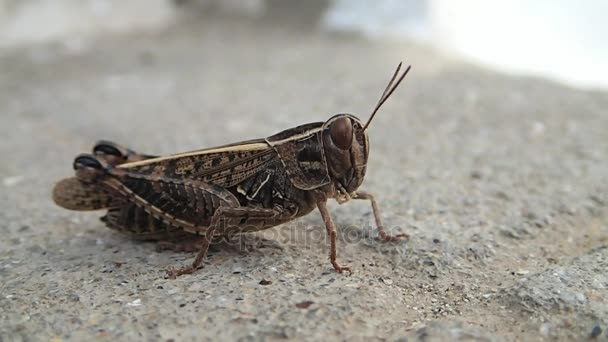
[346, 148]
[346, 143]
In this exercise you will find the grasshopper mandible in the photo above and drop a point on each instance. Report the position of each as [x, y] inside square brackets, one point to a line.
[191, 198]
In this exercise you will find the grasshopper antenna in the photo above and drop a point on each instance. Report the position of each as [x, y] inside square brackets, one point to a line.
[388, 91]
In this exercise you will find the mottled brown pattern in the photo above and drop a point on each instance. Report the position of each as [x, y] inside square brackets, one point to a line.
[224, 169]
[71, 193]
[304, 173]
[139, 224]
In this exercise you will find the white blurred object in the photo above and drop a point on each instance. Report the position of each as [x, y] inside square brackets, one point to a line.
[72, 22]
[24, 22]
[559, 39]
[380, 18]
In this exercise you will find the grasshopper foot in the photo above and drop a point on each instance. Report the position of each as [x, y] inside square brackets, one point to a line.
[391, 238]
[342, 269]
[173, 273]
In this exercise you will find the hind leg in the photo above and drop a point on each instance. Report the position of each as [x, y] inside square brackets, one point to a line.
[115, 154]
[221, 218]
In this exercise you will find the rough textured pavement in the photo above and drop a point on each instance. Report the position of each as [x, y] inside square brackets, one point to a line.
[501, 181]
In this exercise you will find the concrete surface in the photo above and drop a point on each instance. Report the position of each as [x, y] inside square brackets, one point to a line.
[501, 182]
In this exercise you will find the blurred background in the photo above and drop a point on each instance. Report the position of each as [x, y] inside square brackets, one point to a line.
[558, 39]
[501, 178]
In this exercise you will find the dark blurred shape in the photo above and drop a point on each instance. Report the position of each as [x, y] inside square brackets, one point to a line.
[300, 13]
[596, 331]
[297, 12]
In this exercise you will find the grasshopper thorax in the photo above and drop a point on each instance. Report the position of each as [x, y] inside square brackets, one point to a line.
[333, 152]
[346, 147]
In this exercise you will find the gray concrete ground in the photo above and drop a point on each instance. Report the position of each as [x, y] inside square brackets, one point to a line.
[501, 182]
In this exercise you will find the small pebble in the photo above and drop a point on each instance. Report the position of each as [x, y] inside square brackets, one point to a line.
[596, 331]
[305, 304]
[136, 302]
[265, 282]
[196, 287]
[545, 329]
[387, 281]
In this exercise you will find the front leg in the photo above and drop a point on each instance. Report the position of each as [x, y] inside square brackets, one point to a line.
[383, 235]
[331, 232]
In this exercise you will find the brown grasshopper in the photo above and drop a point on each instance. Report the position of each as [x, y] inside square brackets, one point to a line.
[191, 198]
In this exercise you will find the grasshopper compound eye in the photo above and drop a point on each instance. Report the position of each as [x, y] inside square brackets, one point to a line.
[341, 132]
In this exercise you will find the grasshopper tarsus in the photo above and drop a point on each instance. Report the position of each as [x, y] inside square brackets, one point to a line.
[384, 237]
[342, 269]
[173, 273]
